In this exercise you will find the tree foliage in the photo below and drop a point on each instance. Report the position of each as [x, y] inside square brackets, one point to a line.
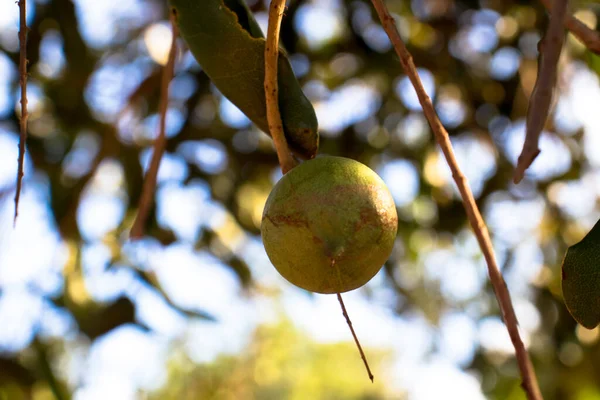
[93, 116]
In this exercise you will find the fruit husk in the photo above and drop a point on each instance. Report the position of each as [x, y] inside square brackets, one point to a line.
[329, 225]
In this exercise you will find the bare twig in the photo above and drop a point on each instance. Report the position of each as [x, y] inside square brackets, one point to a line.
[529, 384]
[349, 322]
[149, 186]
[24, 114]
[541, 98]
[362, 354]
[286, 161]
[589, 37]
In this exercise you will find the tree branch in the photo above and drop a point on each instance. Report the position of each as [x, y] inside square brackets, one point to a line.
[529, 384]
[589, 37]
[286, 161]
[147, 197]
[24, 114]
[540, 101]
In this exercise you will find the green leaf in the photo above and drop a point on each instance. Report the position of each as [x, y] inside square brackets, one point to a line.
[581, 279]
[227, 42]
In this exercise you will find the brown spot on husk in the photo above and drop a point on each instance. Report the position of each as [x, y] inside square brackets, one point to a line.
[296, 219]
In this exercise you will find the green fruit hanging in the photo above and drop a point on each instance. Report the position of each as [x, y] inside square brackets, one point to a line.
[329, 225]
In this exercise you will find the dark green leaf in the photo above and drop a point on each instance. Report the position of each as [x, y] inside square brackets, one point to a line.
[581, 279]
[100, 321]
[227, 42]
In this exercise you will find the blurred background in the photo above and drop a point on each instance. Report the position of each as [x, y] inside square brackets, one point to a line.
[195, 310]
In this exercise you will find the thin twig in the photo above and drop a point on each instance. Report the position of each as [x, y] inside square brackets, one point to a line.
[589, 37]
[540, 100]
[286, 161]
[149, 186]
[362, 354]
[24, 114]
[529, 384]
[349, 322]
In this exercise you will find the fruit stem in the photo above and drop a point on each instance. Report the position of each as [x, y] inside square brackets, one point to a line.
[360, 350]
[286, 161]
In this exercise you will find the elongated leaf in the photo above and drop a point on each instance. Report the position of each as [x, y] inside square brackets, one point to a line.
[227, 42]
[581, 279]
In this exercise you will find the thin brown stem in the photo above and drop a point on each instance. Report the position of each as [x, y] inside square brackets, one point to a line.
[541, 97]
[360, 350]
[589, 37]
[286, 161]
[24, 113]
[147, 196]
[349, 322]
[529, 384]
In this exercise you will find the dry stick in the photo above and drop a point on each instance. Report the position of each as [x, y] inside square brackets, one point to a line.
[149, 186]
[24, 114]
[529, 384]
[362, 354]
[541, 98]
[286, 161]
[589, 37]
